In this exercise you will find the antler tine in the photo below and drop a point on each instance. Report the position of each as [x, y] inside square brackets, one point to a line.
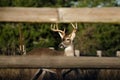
[74, 26]
[56, 29]
[53, 27]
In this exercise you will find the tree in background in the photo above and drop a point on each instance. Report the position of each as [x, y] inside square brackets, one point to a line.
[108, 37]
[93, 37]
[8, 38]
[59, 3]
[34, 35]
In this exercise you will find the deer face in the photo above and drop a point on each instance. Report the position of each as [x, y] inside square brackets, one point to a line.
[67, 40]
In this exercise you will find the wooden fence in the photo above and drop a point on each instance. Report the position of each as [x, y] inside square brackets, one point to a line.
[59, 62]
[60, 15]
[104, 15]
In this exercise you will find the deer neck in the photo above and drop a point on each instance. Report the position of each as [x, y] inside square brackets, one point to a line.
[69, 51]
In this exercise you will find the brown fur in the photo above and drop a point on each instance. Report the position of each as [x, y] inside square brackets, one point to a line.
[45, 52]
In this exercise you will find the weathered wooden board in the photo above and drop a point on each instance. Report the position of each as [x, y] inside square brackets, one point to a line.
[59, 62]
[66, 15]
[18, 14]
[104, 15]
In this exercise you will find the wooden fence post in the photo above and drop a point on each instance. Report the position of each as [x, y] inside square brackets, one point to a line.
[77, 53]
[99, 53]
[51, 48]
[118, 53]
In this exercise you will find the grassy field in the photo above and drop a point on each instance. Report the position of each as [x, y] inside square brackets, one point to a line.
[89, 74]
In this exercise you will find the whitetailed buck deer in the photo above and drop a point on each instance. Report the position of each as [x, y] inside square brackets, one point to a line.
[67, 43]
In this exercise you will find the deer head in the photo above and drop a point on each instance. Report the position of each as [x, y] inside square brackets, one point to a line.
[67, 40]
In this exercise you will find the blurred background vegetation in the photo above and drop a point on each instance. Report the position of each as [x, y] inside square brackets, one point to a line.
[90, 36]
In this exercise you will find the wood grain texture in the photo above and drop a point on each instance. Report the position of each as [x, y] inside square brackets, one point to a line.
[104, 15]
[59, 62]
[19, 14]
[65, 15]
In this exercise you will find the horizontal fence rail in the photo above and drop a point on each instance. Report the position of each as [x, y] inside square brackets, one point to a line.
[22, 14]
[16, 14]
[59, 62]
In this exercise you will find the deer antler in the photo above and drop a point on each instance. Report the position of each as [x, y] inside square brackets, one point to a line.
[73, 34]
[74, 27]
[55, 29]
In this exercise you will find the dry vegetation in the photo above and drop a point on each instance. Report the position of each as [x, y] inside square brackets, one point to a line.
[89, 74]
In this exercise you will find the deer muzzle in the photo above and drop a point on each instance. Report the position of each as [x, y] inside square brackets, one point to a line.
[61, 45]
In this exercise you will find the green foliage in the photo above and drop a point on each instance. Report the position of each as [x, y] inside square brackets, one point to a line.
[59, 3]
[34, 35]
[30, 3]
[37, 35]
[93, 37]
[8, 36]
[86, 41]
[108, 37]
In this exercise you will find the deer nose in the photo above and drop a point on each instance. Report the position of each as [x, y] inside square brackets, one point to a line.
[61, 45]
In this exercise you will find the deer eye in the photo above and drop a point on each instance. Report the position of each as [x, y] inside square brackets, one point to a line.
[68, 40]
